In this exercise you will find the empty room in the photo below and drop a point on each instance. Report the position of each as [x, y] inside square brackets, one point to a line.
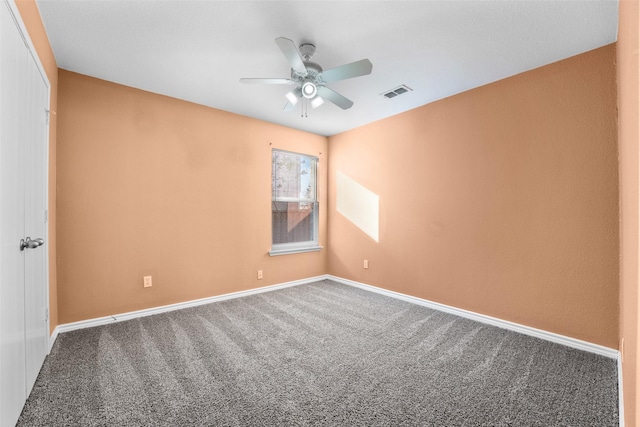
[341, 213]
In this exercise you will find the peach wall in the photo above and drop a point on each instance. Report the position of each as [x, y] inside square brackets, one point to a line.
[502, 200]
[151, 185]
[629, 139]
[31, 17]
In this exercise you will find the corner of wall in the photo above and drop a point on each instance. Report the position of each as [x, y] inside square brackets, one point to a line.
[628, 70]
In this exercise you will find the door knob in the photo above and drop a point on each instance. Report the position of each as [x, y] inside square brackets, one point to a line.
[30, 244]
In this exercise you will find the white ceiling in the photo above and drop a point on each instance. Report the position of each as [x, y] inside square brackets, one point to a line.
[198, 50]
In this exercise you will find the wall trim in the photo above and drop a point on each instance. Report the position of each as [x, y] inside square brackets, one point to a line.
[482, 318]
[98, 321]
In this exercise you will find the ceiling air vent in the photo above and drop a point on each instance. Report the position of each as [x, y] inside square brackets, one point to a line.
[397, 91]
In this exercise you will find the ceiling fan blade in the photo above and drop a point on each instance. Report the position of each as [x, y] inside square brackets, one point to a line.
[288, 47]
[335, 97]
[288, 107]
[347, 71]
[269, 81]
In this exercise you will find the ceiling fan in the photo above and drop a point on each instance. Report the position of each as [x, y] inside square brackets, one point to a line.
[310, 79]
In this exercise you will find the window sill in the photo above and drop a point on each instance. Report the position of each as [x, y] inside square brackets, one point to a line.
[287, 251]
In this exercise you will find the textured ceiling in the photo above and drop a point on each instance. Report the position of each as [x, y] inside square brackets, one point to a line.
[198, 50]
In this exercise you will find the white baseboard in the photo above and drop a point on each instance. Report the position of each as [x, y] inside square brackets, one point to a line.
[504, 324]
[67, 327]
[620, 392]
[53, 337]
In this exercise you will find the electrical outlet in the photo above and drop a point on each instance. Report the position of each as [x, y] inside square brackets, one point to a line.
[147, 281]
[366, 263]
[259, 274]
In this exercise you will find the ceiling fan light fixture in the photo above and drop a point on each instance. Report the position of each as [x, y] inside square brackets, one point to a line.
[316, 102]
[292, 97]
[309, 90]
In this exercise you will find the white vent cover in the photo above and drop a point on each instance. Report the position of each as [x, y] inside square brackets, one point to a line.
[402, 89]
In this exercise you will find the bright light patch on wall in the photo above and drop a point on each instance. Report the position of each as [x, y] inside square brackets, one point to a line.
[358, 204]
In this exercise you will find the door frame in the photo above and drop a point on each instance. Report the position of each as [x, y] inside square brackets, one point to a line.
[24, 33]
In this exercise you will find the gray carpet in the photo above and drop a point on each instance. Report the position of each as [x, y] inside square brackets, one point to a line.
[317, 354]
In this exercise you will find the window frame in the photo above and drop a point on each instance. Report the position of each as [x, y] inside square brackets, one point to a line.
[307, 245]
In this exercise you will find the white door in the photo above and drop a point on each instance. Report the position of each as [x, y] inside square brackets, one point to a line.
[23, 160]
[35, 281]
[12, 344]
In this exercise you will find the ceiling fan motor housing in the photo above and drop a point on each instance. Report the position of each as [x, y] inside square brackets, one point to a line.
[311, 75]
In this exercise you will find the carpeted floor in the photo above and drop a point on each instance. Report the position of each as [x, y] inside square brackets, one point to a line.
[317, 354]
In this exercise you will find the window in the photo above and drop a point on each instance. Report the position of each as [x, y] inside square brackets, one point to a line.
[294, 203]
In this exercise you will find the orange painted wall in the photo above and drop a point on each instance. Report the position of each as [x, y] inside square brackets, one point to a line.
[502, 200]
[31, 17]
[151, 185]
[629, 139]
